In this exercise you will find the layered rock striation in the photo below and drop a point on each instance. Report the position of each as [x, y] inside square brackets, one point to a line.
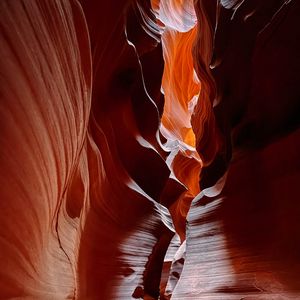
[149, 149]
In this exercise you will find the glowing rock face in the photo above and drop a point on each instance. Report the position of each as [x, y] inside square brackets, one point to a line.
[102, 108]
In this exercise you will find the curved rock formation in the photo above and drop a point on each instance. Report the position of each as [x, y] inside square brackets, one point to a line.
[149, 149]
[45, 106]
[242, 240]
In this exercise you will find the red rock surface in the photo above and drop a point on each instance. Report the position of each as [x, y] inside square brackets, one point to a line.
[149, 149]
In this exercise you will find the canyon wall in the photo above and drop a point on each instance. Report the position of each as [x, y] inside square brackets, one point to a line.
[149, 149]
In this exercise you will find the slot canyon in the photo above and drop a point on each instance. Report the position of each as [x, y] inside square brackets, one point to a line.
[149, 149]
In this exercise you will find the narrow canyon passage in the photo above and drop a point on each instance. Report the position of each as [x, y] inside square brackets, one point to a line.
[149, 149]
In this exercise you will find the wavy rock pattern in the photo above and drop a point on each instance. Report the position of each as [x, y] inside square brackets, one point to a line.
[45, 104]
[109, 111]
[242, 234]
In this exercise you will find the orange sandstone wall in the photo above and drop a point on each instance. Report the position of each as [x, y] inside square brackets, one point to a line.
[149, 149]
